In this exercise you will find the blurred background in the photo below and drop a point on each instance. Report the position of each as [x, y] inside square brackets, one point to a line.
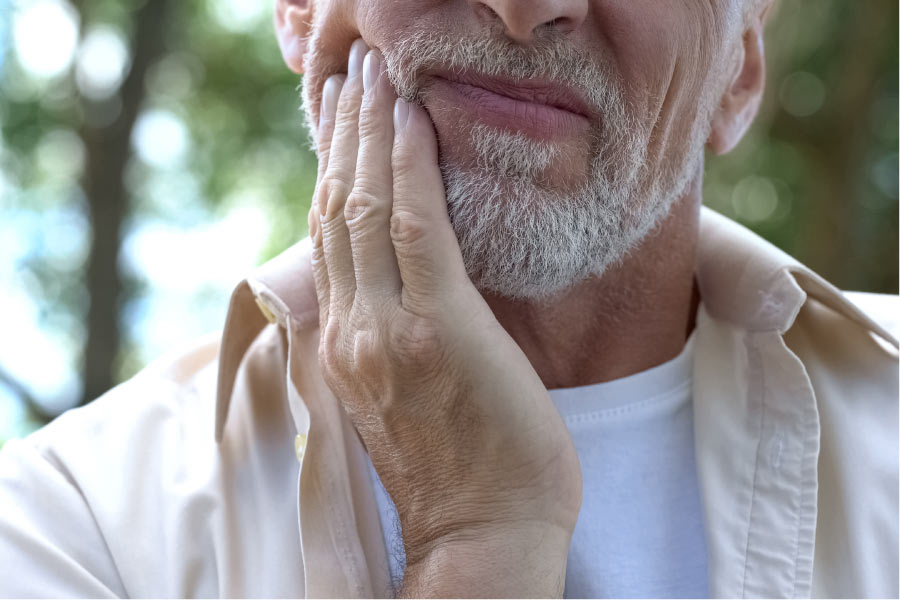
[152, 153]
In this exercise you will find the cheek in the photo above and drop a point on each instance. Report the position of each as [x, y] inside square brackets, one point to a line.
[664, 60]
[382, 23]
[335, 31]
[643, 41]
[340, 22]
[328, 47]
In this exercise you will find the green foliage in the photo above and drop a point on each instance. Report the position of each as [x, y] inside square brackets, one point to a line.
[241, 105]
[816, 175]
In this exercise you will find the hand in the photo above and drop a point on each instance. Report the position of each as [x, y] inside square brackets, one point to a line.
[458, 424]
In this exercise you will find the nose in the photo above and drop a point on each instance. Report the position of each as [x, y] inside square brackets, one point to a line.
[522, 18]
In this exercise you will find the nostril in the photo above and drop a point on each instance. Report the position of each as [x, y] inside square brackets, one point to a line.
[522, 19]
[560, 24]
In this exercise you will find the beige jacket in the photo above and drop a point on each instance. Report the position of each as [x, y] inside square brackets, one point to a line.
[796, 426]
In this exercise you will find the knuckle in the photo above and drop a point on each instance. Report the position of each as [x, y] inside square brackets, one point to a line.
[363, 205]
[354, 364]
[416, 341]
[407, 229]
[366, 353]
[333, 192]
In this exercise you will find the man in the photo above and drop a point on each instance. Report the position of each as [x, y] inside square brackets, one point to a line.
[508, 203]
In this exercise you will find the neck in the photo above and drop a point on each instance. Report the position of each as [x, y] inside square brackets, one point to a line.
[635, 316]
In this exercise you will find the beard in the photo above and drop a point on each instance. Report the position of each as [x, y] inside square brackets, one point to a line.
[522, 237]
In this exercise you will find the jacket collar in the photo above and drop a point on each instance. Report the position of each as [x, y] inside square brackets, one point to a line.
[743, 280]
[746, 281]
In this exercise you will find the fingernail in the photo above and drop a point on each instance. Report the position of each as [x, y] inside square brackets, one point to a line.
[330, 94]
[401, 114]
[371, 69]
[357, 54]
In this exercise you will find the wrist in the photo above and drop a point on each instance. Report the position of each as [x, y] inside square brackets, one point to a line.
[510, 559]
[442, 514]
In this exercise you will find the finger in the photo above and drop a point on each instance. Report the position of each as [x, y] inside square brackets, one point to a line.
[368, 209]
[336, 185]
[330, 94]
[331, 91]
[320, 271]
[427, 251]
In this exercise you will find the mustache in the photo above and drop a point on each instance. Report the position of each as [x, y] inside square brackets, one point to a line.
[549, 57]
[617, 142]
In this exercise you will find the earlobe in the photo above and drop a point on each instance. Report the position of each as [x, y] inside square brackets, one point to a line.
[740, 103]
[293, 22]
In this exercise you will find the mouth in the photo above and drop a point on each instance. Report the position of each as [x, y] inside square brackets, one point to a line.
[536, 107]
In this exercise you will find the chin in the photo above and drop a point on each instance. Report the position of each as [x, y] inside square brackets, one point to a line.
[508, 157]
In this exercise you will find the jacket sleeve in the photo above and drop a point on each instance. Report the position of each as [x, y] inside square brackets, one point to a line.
[130, 495]
[50, 544]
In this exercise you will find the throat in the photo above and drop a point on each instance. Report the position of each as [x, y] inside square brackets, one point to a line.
[637, 315]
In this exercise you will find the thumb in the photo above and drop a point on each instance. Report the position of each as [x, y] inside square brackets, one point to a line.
[427, 250]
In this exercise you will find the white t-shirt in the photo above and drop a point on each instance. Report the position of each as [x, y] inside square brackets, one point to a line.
[640, 530]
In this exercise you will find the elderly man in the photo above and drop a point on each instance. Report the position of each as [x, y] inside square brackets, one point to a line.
[508, 203]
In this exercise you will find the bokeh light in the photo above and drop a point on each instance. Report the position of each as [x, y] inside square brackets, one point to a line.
[160, 139]
[102, 62]
[217, 172]
[46, 36]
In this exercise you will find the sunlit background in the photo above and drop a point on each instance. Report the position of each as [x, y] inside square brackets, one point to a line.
[152, 152]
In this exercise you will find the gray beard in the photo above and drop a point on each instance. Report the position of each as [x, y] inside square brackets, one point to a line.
[527, 243]
[519, 238]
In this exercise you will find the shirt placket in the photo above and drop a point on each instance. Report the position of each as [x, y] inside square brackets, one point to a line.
[757, 443]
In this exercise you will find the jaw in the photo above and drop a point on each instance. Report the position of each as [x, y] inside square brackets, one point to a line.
[549, 159]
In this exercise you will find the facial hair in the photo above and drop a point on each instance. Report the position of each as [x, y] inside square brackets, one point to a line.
[520, 237]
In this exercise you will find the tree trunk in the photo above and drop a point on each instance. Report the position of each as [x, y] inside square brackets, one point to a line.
[108, 149]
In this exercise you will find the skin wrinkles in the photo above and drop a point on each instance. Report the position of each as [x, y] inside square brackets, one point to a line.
[453, 294]
[668, 55]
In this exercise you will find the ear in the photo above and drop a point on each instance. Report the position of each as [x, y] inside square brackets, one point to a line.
[293, 22]
[743, 96]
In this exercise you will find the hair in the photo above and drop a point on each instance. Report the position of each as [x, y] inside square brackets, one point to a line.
[520, 237]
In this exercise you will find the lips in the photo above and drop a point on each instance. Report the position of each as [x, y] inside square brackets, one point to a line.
[540, 109]
[533, 91]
